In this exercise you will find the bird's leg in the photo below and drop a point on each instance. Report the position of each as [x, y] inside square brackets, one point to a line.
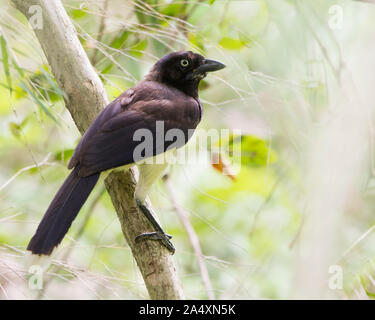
[159, 234]
[148, 174]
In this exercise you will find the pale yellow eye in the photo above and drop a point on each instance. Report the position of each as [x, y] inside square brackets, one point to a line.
[184, 63]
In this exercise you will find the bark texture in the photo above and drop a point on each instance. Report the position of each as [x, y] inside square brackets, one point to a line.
[85, 98]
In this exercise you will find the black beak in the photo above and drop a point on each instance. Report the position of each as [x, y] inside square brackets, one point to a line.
[208, 66]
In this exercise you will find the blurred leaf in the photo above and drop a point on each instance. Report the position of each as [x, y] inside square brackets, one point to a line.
[139, 48]
[63, 155]
[19, 70]
[38, 101]
[370, 294]
[51, 80]
[15, 129]
[249, 180]
[24, 121]
[106, 70]
[119, 40]
[254, 151]
[204, 84]
[174, 10]
[19, 93]
[4, 54]
[231, 44]
[33, 170]
[142, 18]
[223, 166]
[49, 83]
[196, 40]
[78, 13]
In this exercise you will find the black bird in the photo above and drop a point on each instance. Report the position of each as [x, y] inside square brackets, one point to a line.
[168, 95]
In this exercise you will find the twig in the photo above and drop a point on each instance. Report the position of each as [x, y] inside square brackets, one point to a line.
[100, 32]
[355, 243]
[194, 240]
[78, 235]
[336, 71]
[262, 206]
[37, 165]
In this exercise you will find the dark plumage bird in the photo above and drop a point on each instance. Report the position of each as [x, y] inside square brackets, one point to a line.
[168, 94]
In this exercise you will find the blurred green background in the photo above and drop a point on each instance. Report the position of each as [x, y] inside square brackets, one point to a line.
[298, 84]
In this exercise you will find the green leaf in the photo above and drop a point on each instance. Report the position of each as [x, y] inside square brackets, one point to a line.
[4, 54]
[78, 13]
[118, 41]
[174, 10]
[370, 294]
[138, 49]
[63, 155]
[38, 101]
[196, 40]
[24, 121]
[52, 83]
[139, 12]
[254, 151]
[48, 87]
[15, 129]
[231, 43]
[19, 70]
[106, 69]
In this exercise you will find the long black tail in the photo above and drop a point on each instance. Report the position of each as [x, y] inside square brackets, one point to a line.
[61, 212]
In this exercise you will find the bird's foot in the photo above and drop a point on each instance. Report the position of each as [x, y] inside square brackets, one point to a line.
[157, 236]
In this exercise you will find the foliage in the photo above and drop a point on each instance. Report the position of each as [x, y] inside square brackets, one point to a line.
[283, 79]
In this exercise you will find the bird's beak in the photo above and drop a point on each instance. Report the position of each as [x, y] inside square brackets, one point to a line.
[208, 66]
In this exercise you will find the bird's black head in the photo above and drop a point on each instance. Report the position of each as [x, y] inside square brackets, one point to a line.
[183, 70]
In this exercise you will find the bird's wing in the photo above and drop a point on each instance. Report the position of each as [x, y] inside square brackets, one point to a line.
[109, 142]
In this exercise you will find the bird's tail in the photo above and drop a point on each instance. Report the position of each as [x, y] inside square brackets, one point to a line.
[61, 212]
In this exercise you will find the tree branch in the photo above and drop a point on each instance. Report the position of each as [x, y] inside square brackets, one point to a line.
[85, 98]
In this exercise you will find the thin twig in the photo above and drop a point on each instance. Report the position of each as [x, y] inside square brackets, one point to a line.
[100, 32]
[262, 206]
[37, 165]
[355, 243]
[193, 237]
[78, 235]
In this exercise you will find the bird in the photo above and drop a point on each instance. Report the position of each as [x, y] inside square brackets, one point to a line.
[167, 96]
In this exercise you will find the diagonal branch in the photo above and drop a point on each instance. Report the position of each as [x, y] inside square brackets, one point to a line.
[85, 98]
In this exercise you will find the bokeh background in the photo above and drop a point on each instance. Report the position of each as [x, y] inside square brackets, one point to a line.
[295, 222]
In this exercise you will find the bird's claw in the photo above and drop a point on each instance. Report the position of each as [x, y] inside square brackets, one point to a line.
[157, 236]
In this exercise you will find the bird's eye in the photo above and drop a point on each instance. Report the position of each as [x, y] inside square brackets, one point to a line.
[184, 63]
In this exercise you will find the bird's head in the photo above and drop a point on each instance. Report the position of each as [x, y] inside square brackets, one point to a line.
[183, 70]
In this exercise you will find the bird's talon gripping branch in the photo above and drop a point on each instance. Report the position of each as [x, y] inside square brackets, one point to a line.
[157, 236]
